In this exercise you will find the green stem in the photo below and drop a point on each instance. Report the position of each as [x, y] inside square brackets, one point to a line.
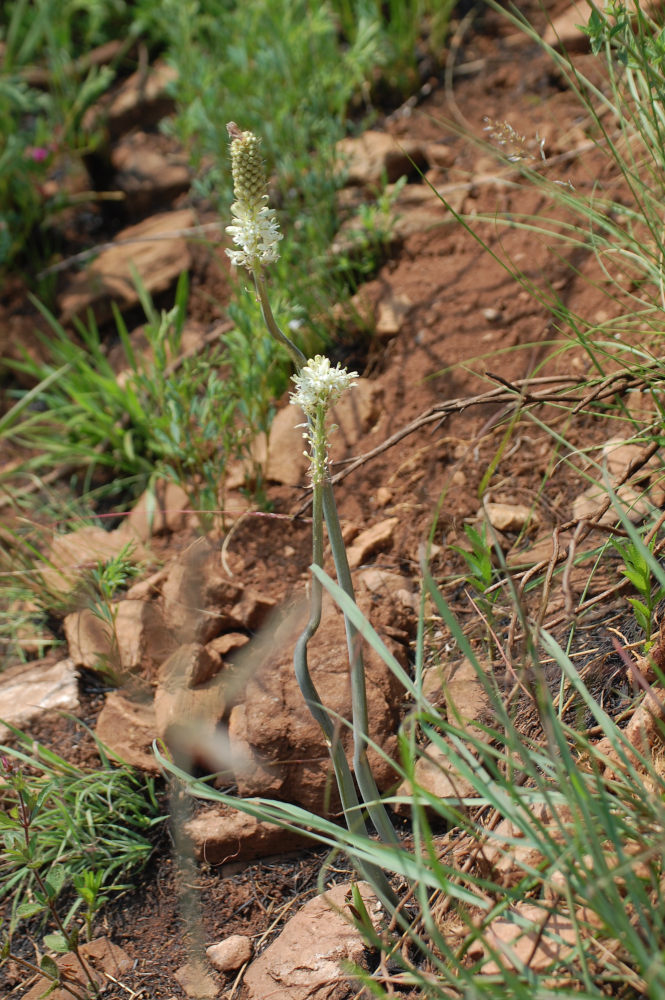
[297, 355]
[362, 769]
[347, 790]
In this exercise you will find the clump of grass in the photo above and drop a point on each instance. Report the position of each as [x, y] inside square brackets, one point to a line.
[94, 827]
[168, 417]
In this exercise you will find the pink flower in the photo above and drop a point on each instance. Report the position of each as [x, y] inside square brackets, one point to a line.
[38, 153]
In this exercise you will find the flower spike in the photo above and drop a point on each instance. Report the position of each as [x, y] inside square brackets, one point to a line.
[255, 229]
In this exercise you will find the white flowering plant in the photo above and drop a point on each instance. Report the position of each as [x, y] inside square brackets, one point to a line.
[318, 386]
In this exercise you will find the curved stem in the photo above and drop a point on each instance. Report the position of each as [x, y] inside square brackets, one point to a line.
[297, 355]
[347, 790]
[363, 772]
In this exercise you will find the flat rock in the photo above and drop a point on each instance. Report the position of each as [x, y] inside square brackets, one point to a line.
[190, 696]
[437, 775]
[466, 698]
[162, 512]
[378, 537]
[529, 936]
[564, 30]
[30, 689]
[588, 504]
[374, 157]
[196, 982]
[618, 455]
[71, 556]
[153, 248]
[509, 516]
[136, 642]
[200, 602]
[142, 99]
[147, 176]
[221, 835]
[510, 853]
[275, 730]
[391, 314]
[306, 961]
[127, 726]
[101, 956]
[229, 954]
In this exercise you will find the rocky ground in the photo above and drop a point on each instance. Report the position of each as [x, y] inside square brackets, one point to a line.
[209, 638]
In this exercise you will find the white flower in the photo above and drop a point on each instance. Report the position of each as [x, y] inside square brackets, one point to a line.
[320, 385]
[256, 232]
[255, 228]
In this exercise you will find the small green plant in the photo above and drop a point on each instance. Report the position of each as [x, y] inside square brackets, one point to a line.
[85, 831]
[638, 569]
[101, 586]
[478, 558]
[21, 847]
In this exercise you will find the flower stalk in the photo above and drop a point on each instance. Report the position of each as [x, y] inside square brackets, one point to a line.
[318, 386]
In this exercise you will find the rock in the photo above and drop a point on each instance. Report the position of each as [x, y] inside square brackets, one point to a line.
[618, 456]
[189, 666]
[540, 551]
[529, 936]
[436, 775]
[136, 641]
[467, 700]
[153, 248]
[227, 643]
[563, 31]
[392, 586]
[275, 727]
[102, 957]
[142, 99]
[190, 697]
[509, 516]
[196, 982]
[145, 175]
[379, 536]
[307, 960]
[146, 588]
[417, 209]
[221, 834]
[200, 602]
[30, 689]
[391, 313]
[644, 733]
[229, 954]
[434, 685]
[383, 496]
[508, 858]
[441, 155]
[588, 504]
[71, 555]
[375, 157]
[393, 601]
[128, 727]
